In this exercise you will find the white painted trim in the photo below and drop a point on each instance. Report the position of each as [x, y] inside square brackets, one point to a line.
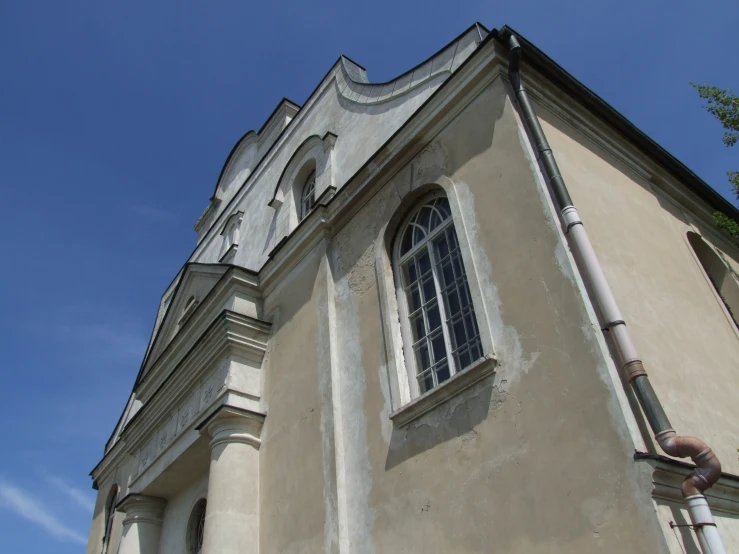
[441, 393]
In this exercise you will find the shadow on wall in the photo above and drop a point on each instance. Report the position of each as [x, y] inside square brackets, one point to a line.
[457, 418]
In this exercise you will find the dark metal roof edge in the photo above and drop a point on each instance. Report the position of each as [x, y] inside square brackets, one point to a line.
[545, 65]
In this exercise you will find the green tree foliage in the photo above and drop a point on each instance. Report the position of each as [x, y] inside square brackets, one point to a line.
[724, 106]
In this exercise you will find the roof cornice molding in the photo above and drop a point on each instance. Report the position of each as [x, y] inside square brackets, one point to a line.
[339, 206]
[668, 476]
[333, 75]
[657, 156]
[234, 281]
[230, 334]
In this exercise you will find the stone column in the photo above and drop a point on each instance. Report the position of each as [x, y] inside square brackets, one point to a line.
[232, 511]
[142, 524]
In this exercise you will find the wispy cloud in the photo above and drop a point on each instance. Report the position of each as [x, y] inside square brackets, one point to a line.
[23, 504]
[78, 496]
[154, 215]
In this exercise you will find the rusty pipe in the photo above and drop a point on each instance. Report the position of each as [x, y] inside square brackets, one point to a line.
[708, 467]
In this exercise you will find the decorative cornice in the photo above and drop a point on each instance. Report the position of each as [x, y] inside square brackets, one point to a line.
[233, 281]
[328, 80]
[140, 508]
[353, 84]
[200, 382]
[669, 474]
[229, 425]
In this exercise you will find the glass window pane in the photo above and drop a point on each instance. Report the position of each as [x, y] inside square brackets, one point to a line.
[423, 217]
[414, 299]
[424, 262]
[434, 317]
[418, 326]
[442, 204]
[426, 381]
[407, 242]
[442, 373]
[452, 236]
[452, 302]
[442, 247]
[459, 336]
[422, 356]
[437, 343]
[458, 271]
[410, 273]
[431, 328]
[447, 274]
[429, 289]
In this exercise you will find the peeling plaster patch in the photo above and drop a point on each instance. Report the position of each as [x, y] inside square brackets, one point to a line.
[362, 275]
[360, 517]
[511, 356]
[463, 409]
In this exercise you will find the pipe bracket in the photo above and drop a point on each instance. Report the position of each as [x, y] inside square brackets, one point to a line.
[634, 369]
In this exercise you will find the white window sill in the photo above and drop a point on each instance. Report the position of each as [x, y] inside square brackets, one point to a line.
[438, 395]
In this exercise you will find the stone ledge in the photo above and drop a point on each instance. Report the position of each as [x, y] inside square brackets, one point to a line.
[461, 381]
[668, 475]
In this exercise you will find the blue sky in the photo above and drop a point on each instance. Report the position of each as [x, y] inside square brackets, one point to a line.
[115, 121]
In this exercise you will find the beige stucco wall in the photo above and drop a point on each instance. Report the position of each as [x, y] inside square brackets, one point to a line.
[535, 458]
[296, 457]
[689, 347]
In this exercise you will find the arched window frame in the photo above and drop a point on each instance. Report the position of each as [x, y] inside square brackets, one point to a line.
[721, 285]
[110, 504]
[231, 235]
[455, 365]
[196, 527]
[308, 195]
[314, 155]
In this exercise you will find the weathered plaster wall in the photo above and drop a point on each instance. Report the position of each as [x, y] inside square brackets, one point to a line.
[688, 345]
[296, 468]
[177, 514]
[535, 458]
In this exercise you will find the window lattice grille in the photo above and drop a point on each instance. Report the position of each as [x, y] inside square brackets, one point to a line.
[444, 337]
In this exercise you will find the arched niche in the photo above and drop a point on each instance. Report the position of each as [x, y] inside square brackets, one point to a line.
[314, 155]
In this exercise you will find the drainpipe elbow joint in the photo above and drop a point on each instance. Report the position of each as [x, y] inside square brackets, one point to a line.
[708, 466]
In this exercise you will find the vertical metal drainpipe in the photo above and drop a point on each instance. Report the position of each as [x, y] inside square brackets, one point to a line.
[708, 467]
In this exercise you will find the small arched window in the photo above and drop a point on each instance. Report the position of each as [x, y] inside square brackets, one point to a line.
[195, 528]
[439, 327]
[718, 273]
[110, 505]
[308, 196]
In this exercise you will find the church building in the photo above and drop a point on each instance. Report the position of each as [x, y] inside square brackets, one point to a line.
[469, 310]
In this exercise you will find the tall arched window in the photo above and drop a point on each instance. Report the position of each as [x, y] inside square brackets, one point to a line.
[308, 196]
[109, 516]
[440, 332]
[718, 273]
